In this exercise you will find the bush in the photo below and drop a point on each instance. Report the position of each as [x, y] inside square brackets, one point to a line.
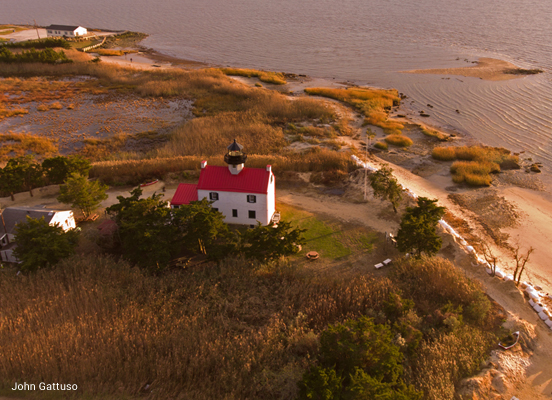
[434, 282]
[399, 140]
[381, 145]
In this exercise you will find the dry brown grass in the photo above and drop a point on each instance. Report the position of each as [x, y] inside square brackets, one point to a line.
[113, 53]
[20, 144]
[374, 104]
[231, 330]
[6, 113]
[137, 171]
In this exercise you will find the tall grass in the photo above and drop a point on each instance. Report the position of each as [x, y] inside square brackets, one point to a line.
[374, 104]
[276, 78]
[233, 330]
[136, 171]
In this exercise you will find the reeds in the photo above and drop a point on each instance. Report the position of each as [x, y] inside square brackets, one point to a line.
[232, 330]
[434, 133]
[137, 171]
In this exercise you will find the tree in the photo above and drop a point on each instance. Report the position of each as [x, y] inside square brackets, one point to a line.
[520, 259]
[21, 173]
[82, 194]
[148, 236]
[202, 228]
[386, 186]
[357, 360]
[271, 242]
[417, 233]
[59, 169]
[40, 245]
[489, 257]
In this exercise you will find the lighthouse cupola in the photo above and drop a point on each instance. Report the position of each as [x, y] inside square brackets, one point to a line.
[235, 158]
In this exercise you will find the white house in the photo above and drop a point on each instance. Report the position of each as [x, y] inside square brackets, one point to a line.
[243, 195]
[65, 30]
[11, 216]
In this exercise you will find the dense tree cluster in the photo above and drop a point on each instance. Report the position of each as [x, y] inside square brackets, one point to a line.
[24, 173]
[152, 234]
[40, 44]
[47, 56]
[40, 245]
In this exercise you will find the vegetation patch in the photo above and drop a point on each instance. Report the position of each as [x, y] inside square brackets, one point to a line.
[374, 104]
[46, 56]
[6, 113]
[112, 53]
[39, 44]
[381, 145]
[19, 144]
[434, 133]
[276, 78]
[399, 140]
[479, 162]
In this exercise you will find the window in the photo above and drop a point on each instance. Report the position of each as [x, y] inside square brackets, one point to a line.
[252, 214]
[251, 198]
[235, 213]
[213, 196]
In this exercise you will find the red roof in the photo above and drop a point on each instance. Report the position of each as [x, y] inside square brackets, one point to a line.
[249, 180]
[185, 193]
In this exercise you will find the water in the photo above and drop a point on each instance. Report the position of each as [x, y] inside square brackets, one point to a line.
[365, 41]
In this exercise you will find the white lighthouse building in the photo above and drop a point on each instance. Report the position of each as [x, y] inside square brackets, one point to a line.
[243, 195]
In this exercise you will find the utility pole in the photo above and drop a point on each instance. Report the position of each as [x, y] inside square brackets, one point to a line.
[36, 27]
[367, 137]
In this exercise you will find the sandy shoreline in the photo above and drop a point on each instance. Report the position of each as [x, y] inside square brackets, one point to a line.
[489, 69]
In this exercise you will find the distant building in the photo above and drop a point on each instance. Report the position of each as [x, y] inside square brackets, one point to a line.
[11, 216]
[243, 195]
[65, 31]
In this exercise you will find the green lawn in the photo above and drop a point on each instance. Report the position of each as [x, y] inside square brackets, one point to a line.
[332, 240]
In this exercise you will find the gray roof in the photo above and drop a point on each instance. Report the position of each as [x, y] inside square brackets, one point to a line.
[13, 215]
[62, 27]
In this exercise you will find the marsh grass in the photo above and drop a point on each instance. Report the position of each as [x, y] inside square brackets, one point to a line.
[138, 170]
[381, 145]
[479, 162]
[374, 104]
[6, 113]
[113, 53]
[276, 78]
[232, 330]
[20, 144]
[399, 140]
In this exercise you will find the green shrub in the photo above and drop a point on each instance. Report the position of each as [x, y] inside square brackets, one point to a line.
[381, 145]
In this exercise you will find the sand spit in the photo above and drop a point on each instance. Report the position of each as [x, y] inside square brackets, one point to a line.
[488, 69]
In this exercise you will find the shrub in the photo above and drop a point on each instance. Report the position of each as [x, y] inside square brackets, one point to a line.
[444, 153]
[399, 140]
[380, 145]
